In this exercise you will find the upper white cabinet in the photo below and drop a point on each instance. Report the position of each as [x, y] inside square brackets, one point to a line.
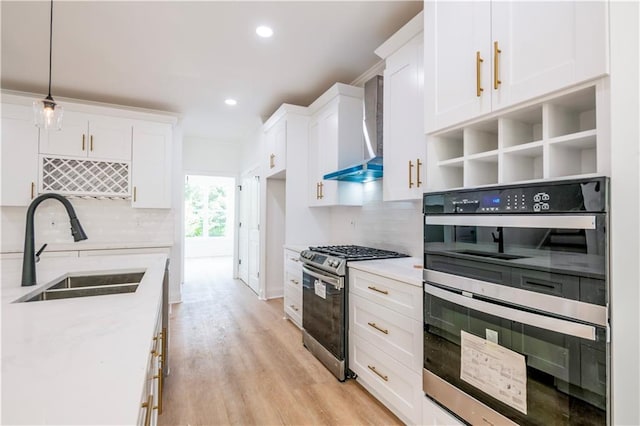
[89, 135]
[276, 147]
[404, 155]
[151, 165]
[485, 56]
[19, 170]
[335, 142]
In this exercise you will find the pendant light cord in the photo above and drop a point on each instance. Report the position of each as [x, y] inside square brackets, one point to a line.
[50, 45]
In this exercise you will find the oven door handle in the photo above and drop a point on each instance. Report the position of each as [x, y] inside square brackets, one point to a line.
[535, 320]
[336, 282]
[515, 220]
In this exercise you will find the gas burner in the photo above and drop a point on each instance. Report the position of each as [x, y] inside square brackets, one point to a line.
[353, 252]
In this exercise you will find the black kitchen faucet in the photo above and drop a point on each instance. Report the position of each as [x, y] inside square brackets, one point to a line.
[29, 256]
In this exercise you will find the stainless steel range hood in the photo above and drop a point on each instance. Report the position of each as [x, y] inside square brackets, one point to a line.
[371, 168]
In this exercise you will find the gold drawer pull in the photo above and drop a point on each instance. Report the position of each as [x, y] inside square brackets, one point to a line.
[147, 414]
[321, 190]
[135, 194]
[294, 308]
[296, 282]
[91, 143]
[160, 385]
[374, 325]
[382, 376]
[377, 289]
[479, 88]
[418, 164]
[272, 162]
[83, 141]
[33, 189]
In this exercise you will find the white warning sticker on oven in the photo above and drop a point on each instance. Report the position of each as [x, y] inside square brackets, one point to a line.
[321, 289]
[495, 370]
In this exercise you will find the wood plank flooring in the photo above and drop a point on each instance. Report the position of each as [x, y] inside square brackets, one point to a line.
[235, 360]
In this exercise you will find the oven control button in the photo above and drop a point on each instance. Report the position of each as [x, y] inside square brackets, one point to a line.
[536, 207]
[545, 197]
[537, 197]
[545, 206]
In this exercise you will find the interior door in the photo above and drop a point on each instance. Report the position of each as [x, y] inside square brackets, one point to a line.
[243, 228]
[254, 233]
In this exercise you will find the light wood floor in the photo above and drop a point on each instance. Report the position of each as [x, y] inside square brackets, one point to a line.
[235, 360]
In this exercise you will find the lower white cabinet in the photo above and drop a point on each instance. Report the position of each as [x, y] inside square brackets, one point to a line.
[433, 414]
[385, 341]
[293, 287]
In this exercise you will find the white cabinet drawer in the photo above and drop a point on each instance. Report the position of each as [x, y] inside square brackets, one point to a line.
[293, 303]
[398, 335]
[396, 295]
[397, 387]
[292, 259]
[293, 278]
[433, 414]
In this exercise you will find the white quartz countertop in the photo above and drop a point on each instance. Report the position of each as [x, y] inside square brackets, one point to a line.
[295, 247]
[82, 360]
[406, 269]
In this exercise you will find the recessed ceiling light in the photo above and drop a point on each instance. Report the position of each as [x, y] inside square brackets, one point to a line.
[230, 101]
[264, 31]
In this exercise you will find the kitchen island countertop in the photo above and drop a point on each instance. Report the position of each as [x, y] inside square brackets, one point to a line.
[406, 269]
[81, 360]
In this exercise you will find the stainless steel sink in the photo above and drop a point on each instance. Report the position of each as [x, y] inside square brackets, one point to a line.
[86, 286]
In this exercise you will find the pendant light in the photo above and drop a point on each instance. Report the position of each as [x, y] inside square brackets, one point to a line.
[48, 114]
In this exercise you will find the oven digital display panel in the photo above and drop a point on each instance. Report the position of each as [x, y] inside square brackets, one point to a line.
[491, 200]
[319, 258]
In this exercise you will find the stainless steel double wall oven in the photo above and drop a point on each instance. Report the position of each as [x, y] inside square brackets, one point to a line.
[516, 303]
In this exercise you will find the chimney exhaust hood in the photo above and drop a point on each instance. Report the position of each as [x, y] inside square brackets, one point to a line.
[371, 168]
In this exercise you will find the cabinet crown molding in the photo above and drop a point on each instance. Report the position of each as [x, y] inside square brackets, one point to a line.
[332, 92]
[283, 110]
[411, 29]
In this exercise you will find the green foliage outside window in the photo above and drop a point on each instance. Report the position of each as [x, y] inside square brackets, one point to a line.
[205, 209]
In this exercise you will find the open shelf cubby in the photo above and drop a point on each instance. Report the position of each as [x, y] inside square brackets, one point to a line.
[554, 138]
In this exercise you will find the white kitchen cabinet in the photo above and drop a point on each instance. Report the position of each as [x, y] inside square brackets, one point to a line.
[89, 136]
[19, 172]
[276, 147]
[485, 56]
[404, 156]
[335, 142]
[151, 165]
[385, 341]
[434, 415]
[151, 400]
[293, 287]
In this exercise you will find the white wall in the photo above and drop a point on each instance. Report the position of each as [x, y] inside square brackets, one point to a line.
[393, 225]
[625, 208]
[209, 157]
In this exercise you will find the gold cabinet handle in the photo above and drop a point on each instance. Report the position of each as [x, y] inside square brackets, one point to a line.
[321, 190]
[377, 289]
[272, 162]
[135, 194]
[496, 65]
[294, 308]
[377, 327]
[91, 143]
[382, 376]
[83, 141]
[479, 88]
[418, 181]
[296, 282]
[147, 414]
[33, 189]
[160, 384]
[165, 345]
[410, 174]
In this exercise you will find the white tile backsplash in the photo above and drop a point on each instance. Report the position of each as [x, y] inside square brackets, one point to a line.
[104, 221]
[394, 225]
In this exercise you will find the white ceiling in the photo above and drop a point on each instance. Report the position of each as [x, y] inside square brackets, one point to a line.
[187, 57]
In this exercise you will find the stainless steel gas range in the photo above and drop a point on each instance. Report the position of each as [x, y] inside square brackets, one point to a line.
[324, 301]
